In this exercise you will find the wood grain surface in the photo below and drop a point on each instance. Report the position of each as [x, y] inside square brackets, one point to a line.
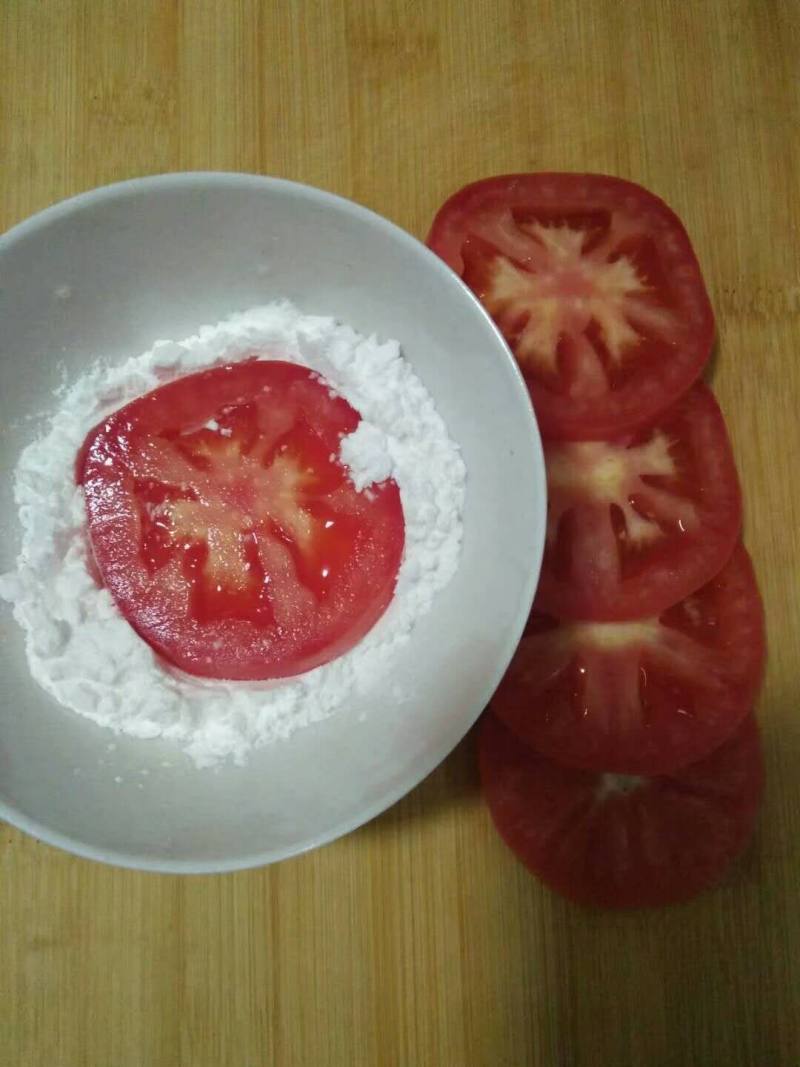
[419, 940]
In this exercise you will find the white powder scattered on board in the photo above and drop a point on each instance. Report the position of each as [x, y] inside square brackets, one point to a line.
[85, 654]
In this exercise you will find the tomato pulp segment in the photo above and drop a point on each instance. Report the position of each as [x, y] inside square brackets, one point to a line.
[226, 529]
[637, 523]
[621, 841]
[595, 285]
[643, 697]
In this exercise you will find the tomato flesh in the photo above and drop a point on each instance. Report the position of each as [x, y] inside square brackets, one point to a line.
[639, 522]
[596, 288]
[621, 841]
[227, 530]
[643, 697]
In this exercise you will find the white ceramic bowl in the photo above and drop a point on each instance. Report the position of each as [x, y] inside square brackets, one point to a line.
[108, 272]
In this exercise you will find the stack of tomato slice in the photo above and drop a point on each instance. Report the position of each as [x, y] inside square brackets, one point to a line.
[620, 758]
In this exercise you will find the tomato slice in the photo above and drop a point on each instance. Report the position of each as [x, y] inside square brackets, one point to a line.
[642, 697]
[596, 288]
[637, 523]
[227, 530]
[620, 841]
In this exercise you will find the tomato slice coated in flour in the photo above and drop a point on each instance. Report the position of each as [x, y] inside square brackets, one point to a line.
[642, 697]
[227, 530]
[596, 288]
[619, 841]
[637, 523]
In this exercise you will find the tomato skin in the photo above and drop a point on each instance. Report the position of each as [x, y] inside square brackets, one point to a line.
[630, 546]
[646, 697]
[241, 552]
[609, 843]
[477, 231]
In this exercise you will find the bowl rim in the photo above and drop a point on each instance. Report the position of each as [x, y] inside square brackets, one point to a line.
[243, 180]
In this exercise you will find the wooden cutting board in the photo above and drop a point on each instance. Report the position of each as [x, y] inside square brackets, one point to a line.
[419, 940]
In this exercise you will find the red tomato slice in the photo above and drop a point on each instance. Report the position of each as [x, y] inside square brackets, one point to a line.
[641, 697]
[596, 288]
[226, 529]
[618, 841]
[638, 523]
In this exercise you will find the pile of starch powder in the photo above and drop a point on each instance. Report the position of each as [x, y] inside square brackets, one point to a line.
[81, 649]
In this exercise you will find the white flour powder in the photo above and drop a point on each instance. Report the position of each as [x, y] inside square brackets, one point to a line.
[85, 654]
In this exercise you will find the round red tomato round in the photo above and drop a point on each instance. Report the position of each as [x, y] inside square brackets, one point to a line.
[618, 841]
[643, 697]
[596, 288]
[636, 523]
[226, 529]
